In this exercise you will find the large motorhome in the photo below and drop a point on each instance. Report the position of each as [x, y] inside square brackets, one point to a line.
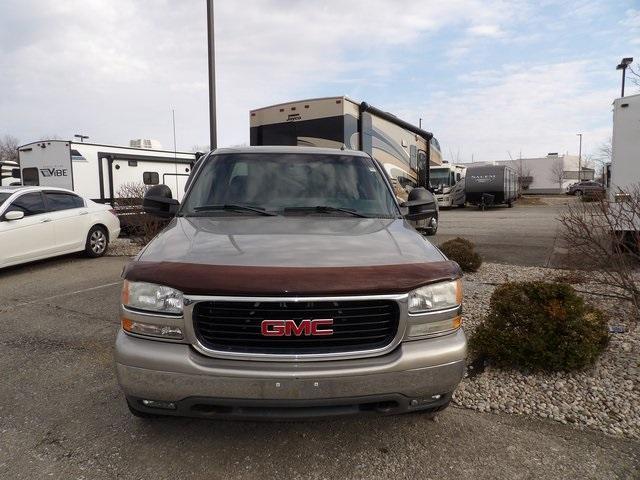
[447, 181]
[339, 122]
[99, 171]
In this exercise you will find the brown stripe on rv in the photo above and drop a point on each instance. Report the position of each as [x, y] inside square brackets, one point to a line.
[199, 279]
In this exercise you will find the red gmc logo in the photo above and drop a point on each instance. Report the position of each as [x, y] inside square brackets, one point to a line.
[286, 328]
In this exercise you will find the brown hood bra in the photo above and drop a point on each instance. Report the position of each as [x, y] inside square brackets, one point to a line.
[202, 279]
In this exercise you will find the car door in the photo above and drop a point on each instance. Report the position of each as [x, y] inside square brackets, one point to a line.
[30, 237]
[69, 218]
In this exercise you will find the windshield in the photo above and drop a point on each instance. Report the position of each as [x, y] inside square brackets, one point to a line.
[3, 197]
[439, 177]
[285, 184]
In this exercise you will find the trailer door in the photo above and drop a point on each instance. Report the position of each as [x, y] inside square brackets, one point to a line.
[46, 164]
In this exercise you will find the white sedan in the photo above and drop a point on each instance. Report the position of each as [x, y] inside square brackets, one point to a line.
[41, 222]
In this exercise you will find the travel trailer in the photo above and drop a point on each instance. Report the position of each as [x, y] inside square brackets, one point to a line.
[339, 122]
[447, 181]
[9, 173]
[625, 161]
[487, 185]
[99, 171]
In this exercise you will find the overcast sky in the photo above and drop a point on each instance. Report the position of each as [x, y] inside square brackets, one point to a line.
[488, 77]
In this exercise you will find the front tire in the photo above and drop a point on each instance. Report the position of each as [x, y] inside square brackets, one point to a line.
[97, 242]
[577, 193]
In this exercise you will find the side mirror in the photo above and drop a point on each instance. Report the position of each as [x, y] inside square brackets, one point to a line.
[159, 202]
[14, 215]
[422, 204]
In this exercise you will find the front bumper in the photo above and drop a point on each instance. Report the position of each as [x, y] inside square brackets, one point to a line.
[416, 375]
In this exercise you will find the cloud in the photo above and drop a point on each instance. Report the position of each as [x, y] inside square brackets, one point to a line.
[493, 31]
[534, 109]
[113, 69]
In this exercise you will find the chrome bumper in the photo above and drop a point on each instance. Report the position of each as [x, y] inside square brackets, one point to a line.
[416, 375]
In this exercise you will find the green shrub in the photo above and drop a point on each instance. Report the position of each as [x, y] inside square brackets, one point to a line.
[463, 252]
[540, 326]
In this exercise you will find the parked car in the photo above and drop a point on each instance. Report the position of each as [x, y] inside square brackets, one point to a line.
[42, 222]
[289, 283]
[585, 187]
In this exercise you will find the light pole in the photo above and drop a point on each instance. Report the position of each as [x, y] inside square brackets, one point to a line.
[81, 137]
[213, 135]
[580, 158]
[623, 66]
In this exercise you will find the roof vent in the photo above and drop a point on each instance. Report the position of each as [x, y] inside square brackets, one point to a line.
[145, 143]
[552, 154]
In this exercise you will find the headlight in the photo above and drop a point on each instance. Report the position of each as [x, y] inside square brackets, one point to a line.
[436, 297]
[152, 297]
[144, 328]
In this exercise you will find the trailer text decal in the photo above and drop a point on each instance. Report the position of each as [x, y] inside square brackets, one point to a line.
[53, 172]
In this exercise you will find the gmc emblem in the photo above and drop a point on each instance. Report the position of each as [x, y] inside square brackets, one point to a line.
[286, 328]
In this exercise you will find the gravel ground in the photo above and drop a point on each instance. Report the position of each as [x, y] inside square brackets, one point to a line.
[123, 247]
[605, 397]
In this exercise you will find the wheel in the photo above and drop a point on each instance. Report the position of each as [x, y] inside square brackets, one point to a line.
[97, 242]
[432, 228]
[139, 414]
[578, 193]
[510, 204]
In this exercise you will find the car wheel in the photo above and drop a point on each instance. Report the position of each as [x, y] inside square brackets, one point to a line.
[97, 242]
[578, 193]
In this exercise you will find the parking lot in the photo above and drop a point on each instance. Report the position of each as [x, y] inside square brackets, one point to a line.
[523, 235]
[62, 415]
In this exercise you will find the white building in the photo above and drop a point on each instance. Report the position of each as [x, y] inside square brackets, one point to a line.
[545, 175]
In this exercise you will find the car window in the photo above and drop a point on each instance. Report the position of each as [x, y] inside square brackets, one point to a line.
[62, 201]
[3, 197]
[29, 203]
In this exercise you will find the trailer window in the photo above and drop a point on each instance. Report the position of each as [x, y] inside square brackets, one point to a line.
[151, 178]
[30, 177]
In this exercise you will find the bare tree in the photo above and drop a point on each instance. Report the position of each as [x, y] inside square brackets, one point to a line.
[557, 173]
[140, 226]
[603, 153]
[9, 149]
[605, 237]
[524, 175]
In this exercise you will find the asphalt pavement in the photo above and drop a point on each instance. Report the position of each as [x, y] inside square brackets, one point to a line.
[523, 235]
[62, 415]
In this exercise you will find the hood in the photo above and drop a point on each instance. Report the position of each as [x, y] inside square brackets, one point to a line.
[309, 241]
[290, 255]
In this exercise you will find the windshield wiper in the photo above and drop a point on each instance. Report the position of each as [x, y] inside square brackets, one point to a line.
[232, 206]
[325, 209]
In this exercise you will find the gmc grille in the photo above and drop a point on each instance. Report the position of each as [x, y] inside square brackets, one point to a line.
[236, 326]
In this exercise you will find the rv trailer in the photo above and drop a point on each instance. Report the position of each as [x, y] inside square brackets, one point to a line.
[9, 173]
[487, 185]
[99, 171]
[339, 122]
[447, 182]
[405, 151]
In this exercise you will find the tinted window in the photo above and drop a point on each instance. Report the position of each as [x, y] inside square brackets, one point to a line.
[3, 197]
[151, 178]
[276, 182]
[29, 203]
[30, 177]
[63, 201]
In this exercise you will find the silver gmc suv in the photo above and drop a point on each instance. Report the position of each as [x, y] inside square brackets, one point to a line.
[289, 283]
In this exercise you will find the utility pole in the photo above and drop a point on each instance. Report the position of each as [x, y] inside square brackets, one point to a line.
[213, 134]
[580, 158]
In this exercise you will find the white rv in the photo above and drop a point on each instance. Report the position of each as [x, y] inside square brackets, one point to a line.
[625, 161]
[339, 122]
[98, 171]
[447, 181]
[9, 173]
